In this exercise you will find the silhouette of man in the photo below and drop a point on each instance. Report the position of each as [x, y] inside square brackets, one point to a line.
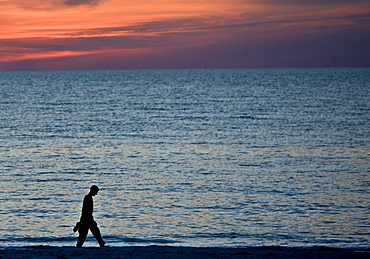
[87, 220]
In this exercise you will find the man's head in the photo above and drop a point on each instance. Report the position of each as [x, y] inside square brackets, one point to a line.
[94, 190]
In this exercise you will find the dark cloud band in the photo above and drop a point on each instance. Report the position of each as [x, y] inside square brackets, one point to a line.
[53, 4]
[81, 2]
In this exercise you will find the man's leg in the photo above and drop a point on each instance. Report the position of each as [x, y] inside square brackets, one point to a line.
[96, 232]
[83, 230]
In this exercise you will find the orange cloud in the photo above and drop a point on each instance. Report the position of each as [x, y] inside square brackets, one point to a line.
[19, 22]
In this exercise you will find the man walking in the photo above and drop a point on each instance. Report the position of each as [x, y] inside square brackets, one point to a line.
[87, 220]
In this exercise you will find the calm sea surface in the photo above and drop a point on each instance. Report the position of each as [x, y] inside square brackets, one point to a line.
[247, 157]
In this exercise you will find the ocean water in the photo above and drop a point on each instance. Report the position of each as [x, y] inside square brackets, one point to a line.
[237, 157]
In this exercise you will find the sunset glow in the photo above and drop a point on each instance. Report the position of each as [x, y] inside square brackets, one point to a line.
[113, 34]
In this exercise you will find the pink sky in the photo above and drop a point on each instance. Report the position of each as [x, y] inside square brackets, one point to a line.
[155, 34]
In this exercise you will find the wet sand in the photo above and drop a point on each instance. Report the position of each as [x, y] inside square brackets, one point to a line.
[170, 252]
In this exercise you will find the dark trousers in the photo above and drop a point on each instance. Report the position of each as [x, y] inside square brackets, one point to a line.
[84, 229]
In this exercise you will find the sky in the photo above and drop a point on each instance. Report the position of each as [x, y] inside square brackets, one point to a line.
[177, 34]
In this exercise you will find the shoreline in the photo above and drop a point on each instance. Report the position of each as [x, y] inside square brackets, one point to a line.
[172, 252]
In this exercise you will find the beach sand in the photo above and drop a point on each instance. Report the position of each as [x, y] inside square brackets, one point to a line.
[170, 252]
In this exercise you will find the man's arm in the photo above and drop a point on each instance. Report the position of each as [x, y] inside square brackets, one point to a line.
[87, 207]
